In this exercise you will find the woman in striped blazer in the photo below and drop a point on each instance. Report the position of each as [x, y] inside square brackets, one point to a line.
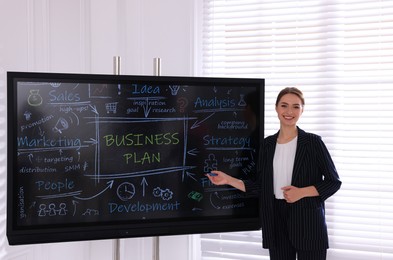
[296, 174]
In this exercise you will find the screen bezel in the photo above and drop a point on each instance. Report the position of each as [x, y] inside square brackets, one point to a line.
[97, 230]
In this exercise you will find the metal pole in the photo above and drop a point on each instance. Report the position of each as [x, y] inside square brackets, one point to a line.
[116, 65]
[156, 240]
[157, 67]
[156, 248]
[116, 249]
[116, 242]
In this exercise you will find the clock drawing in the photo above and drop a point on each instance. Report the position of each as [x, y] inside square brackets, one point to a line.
[126, 191]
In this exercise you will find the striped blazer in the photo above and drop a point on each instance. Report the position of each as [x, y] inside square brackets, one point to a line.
[313, 166]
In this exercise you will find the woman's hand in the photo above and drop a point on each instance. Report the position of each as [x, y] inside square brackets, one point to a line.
[293, 194]
[221, 178]
[218, 177]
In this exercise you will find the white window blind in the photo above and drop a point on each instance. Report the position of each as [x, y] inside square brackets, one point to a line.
[340, 54]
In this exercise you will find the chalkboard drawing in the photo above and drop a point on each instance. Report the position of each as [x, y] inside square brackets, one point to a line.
[100, 90]
[55, 84]
[242, 102]
[210, 164]
[157, 192]
[27, 115]
[62, 210]
[42, 210]
[32, 205]
[183, 102]
[61, 125]
[85, 165]
[195, 196]
[166, 194]
[52, 209]
[45, 210]
[216, 196]
[174, 89]
[126, 191]
[34, 98]
[31, 156]
[91, 212]
[111, 107]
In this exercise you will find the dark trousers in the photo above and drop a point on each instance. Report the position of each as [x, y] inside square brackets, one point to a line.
[284, 249]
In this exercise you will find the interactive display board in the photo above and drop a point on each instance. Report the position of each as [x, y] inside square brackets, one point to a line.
[109, 156]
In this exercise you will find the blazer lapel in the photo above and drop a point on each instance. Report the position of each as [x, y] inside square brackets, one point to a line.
[269, 149]
[300, 153]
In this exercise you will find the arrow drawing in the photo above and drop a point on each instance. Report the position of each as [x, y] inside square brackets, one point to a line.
[110, 184]
[189, 174]
[74, 202]
[31, 157]
[198, 123]
[94, 109]
[146, 108]
[92, 141]
[41, 132]
[193, 152]
[144, 184]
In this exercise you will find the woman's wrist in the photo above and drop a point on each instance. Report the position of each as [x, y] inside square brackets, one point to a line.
[237, 183]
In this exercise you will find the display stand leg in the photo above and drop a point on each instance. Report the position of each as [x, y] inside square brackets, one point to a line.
[116, 242]
[157, 66]
[156, 240]
[156, 248]
[116, 249]
[116, 65]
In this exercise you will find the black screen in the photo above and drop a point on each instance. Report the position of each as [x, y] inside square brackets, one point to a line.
[105, 156]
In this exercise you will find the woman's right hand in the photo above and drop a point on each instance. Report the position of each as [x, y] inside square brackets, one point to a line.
[221, 178]
[218, 177]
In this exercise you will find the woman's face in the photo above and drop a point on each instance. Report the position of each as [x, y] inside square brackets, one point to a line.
[289, 109]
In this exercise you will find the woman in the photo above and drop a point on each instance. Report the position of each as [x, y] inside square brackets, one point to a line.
[295, 176]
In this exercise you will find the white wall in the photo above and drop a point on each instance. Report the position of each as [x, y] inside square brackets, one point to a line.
[82, 36]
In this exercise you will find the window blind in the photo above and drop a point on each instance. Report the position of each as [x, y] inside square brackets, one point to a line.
[340, 54]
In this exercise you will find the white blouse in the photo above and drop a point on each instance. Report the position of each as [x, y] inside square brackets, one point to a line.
[284, 159]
